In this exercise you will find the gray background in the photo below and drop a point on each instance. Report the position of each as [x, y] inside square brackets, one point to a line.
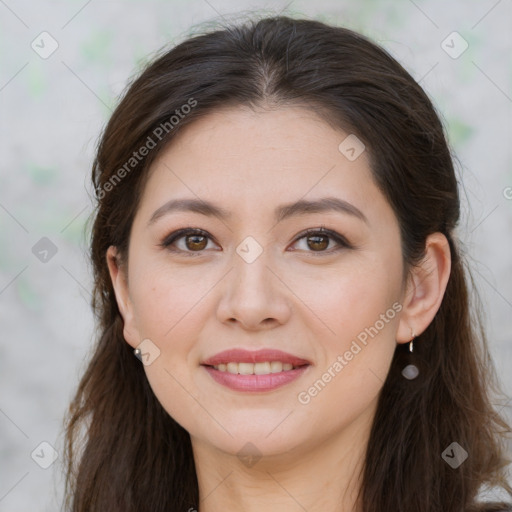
[53, 109]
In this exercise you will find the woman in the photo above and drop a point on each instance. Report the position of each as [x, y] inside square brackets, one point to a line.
[274, 241]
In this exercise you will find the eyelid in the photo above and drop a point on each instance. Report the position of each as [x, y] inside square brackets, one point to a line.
[337, 237]
[183, 232]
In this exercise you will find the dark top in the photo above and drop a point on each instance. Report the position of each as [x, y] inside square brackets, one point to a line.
[494, 507]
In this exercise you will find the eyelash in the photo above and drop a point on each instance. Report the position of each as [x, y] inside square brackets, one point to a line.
[182, 233]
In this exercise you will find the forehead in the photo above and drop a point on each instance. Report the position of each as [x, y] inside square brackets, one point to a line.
[254, 159]
[240, 132]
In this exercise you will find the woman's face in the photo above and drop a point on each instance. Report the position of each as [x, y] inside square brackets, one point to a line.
[254, 280]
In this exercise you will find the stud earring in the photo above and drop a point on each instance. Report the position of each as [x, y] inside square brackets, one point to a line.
[411, 371]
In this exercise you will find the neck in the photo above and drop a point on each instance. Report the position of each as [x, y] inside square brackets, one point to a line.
[319, 476]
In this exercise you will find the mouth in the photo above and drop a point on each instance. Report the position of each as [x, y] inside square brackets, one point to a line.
[267, 360]
[262, 370]
[254, 382]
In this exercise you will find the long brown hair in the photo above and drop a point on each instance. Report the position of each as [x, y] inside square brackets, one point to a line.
[123, 452]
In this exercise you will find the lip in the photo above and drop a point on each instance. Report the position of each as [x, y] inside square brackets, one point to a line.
[253, 383]
[237, 355]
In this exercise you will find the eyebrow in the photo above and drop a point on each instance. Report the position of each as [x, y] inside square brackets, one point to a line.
[301, 207]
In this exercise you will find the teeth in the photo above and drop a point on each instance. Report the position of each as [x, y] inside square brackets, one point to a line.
[255, 368]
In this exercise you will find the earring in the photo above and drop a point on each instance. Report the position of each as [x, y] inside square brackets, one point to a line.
[411, 371]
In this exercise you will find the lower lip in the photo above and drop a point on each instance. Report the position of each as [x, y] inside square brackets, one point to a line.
[267, 382]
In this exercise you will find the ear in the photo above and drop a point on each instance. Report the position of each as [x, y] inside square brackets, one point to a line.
[119, 277]
[425, 288]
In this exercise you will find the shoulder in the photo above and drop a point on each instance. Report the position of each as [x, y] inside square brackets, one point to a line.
[491, 507]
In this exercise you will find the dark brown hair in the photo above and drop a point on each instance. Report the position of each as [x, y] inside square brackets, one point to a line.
[123, 451]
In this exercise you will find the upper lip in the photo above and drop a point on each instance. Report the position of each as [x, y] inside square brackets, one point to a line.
[237, 355]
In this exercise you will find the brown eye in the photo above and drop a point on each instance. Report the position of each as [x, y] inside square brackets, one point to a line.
[318, 243]
[196, 242]
[188, 241]
[318, 240]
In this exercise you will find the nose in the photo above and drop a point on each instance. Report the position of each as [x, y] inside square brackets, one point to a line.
[254, 295]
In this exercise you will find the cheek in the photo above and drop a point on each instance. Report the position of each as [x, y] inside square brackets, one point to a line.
[363, 313]
[347, 301]
[170, 312]
[165, 299]
[359, 312]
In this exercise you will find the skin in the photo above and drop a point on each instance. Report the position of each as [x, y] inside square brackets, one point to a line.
[304, 301]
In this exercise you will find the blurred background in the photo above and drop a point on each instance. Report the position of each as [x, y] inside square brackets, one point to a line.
[63, 65]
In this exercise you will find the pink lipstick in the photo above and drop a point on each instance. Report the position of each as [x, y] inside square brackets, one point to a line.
[262, 370]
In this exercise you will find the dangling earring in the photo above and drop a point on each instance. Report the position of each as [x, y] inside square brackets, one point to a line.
[411, 371]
